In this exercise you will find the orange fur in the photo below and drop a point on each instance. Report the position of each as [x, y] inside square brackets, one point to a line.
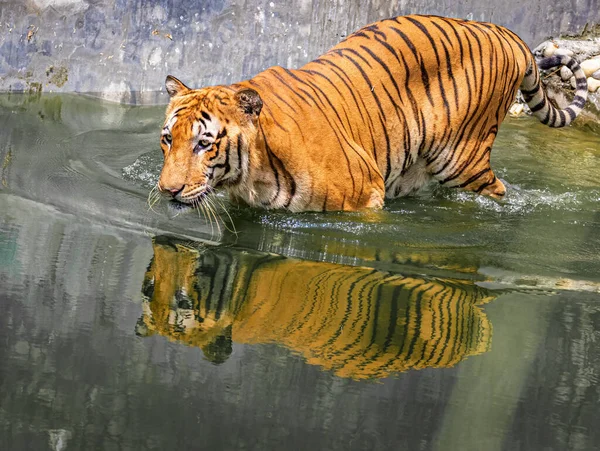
[398, 103]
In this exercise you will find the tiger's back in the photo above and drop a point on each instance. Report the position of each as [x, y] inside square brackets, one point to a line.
[406, 98]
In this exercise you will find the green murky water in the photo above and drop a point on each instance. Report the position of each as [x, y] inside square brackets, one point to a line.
[445, 322]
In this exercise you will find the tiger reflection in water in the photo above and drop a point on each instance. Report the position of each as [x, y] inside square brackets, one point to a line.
[357, 322]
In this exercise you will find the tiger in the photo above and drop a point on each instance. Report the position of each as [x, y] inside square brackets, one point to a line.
[396, 105]
[356, 322]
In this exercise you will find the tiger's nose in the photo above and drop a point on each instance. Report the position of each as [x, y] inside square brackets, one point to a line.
[173, 191]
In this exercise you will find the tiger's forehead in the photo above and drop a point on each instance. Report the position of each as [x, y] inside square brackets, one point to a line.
[192, 123]
[198, 111]
[214, 99]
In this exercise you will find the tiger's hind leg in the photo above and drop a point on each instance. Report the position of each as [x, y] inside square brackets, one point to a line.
[495, 188]
[470, 169]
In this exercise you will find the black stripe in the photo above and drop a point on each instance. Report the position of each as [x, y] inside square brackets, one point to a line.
[530, 93]
[176, 112]
[375, 30]
[446, 325]
[485, 185]
[285, 102]
[349, 304]
[275, 173]
[549, 63]
[516, 40]
[366, 299]
[393, 80]
[402, 119]
[424, 30]
[434, 300]
[539, 106]
[571, 113]
[267, 110]
[417, 330]
[439, 27]
[223, 292]
[240, 143]
[338, 71]
[347, 81]
[227, 166]
[360, 34]
[411, 98]
[546, 119]
[415, 52]
[474, 177]
[460, 317]
[460, 138]
[373, 93]
[458, 38]
[476, 85]
[451, 76]
[288, 176]
[291, 88]
[582, 84]
[316, 88]
[552, 112]
[338, 133]
[301, 317]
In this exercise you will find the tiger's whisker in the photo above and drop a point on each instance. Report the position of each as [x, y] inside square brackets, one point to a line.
[222, 205]
[207, 216]
[197, 207]
[200, 208]
[211, 210]
[154, 197]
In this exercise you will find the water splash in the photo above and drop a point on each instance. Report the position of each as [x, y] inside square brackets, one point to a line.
[429, 206]
[520, 200]
[144, 171]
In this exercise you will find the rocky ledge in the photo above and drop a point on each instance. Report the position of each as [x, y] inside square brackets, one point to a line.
[560, 83]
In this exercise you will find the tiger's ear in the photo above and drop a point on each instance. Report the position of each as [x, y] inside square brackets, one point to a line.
[249, 101]
[175, 87]
[220, 348]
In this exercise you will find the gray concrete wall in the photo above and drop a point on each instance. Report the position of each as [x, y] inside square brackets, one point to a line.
[124, 48]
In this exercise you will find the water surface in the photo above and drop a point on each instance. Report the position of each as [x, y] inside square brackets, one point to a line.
[446, 321]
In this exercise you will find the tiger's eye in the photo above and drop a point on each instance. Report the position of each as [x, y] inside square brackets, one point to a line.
[204, 143]
[168, 138]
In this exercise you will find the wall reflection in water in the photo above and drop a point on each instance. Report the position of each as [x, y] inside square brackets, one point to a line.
[357, 322]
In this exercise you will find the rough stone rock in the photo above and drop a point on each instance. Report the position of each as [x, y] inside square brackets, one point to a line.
[560, 85]
[582, 48]
[593, 84]
[565, 73]
[590, 66]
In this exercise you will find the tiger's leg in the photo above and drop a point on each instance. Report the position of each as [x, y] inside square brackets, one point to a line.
[468, 167]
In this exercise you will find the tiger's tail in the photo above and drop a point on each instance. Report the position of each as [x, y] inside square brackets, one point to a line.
[536, 97]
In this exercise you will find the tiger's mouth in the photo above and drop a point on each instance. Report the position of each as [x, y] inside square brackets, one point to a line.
[193, 201]
[176, 208]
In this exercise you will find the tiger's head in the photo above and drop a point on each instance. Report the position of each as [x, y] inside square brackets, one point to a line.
[205, 139]
[179, 290]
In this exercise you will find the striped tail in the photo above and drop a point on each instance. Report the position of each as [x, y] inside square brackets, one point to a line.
[536, 97]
